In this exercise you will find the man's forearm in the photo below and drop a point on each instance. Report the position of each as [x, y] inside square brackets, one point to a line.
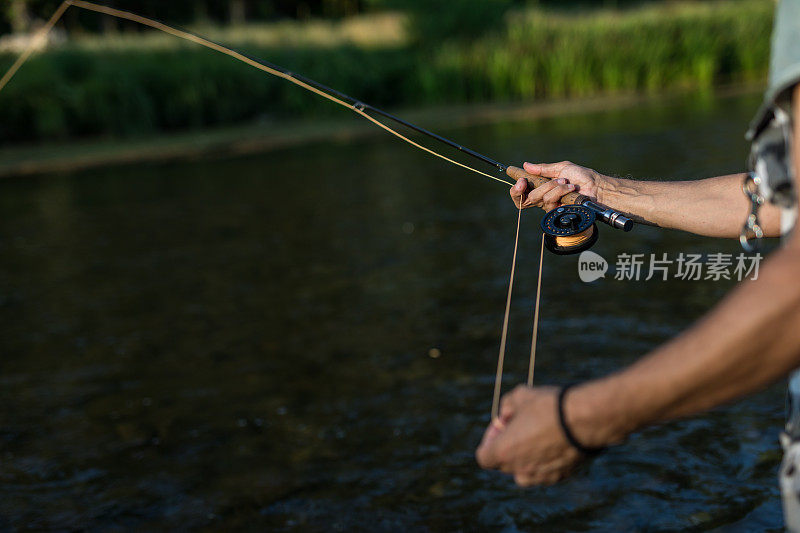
[750, 340]
[715, 207]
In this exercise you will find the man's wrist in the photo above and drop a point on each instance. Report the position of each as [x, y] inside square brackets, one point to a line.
[594, 412]
[630, 197]
[608, 189]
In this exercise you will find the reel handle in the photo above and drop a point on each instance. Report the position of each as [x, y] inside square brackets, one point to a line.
[613, 218]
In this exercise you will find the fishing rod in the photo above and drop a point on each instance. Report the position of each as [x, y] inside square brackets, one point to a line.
[568, 229]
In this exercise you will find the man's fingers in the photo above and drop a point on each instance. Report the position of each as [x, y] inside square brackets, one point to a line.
[486, 454]
[523, 480]
[520, 186]
[508, 404]
[510, 401]
[493, 455]
[507, 408]
[518, 191]
[552, 198]
[547, 195]
[547, 170]
[537, 195]
[505, 416]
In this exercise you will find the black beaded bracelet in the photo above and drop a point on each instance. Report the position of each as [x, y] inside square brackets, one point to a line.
[567, 433]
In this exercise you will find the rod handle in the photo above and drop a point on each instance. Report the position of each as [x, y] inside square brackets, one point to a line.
[536, 181]
[609, 216]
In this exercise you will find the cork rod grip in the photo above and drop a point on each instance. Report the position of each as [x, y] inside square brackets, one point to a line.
[535, 181]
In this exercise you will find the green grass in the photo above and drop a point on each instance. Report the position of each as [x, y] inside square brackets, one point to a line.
[651, 48]
[133, 85]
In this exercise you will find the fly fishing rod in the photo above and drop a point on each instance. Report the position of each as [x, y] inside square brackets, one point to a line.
[568, 229]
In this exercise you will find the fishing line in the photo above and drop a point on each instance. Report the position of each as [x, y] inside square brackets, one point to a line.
[534, 337]
[498, 379]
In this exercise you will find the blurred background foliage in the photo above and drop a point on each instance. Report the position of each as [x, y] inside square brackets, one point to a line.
[105, 77]
[17, 15]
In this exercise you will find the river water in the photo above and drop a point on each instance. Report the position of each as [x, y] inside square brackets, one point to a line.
[246, 342]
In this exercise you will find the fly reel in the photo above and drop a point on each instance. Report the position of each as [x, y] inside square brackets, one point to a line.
[569, 229]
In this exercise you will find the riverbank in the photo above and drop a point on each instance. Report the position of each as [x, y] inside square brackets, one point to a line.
[135, 85]
[28, 160]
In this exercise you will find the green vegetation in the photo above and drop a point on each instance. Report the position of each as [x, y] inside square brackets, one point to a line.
[123, 86]
[17, 14]
[650, 48]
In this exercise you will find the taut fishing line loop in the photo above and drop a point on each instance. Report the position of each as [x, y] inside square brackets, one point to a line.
[498, 379]
[336, 97]
[535, 335]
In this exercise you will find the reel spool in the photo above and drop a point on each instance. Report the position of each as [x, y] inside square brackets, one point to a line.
[569, 229]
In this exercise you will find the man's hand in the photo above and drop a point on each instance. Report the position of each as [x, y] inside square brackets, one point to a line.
[566, 177]
[527, 440]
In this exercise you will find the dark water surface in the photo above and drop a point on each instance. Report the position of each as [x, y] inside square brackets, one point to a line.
[245, 343]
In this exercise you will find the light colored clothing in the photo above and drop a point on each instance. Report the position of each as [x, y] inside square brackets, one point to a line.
[772, 163]
[784, 65]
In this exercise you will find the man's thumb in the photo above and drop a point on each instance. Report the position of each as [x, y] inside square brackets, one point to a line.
[486, 454]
